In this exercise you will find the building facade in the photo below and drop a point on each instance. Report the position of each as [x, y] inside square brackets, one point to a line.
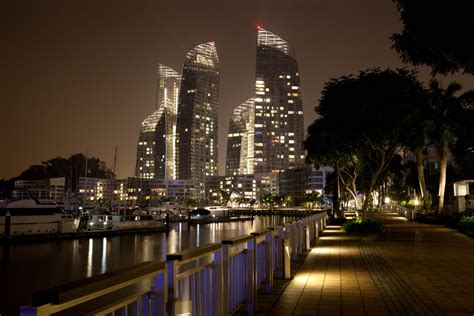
[156, 150]
[196, 123]
[240, 140]
[266, 132]
[279, 126]
[52, 188]
[95, 191]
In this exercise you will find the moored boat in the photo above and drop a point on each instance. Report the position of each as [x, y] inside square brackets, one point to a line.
[35, 217]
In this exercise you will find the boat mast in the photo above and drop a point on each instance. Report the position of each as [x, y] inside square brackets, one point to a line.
[113, 180]
[85, 185]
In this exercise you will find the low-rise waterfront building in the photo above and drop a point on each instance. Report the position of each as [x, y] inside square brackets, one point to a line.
[52, 188]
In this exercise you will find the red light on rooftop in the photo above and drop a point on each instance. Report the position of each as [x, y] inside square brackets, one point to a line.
[259, 26]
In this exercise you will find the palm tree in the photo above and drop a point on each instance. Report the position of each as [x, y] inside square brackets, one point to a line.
[447, 109]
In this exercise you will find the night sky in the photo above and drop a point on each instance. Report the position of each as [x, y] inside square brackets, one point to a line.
[80, 76]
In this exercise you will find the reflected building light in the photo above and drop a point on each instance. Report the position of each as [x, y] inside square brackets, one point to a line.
[180, 229]
[89, 257]
[103, 266]
[213, 232]
[198, 237]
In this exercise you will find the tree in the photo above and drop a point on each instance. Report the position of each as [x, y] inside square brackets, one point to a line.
[71, 168]
[462, 147]
[366, 116]
[417, 141]
[449, 111]
[437, 34]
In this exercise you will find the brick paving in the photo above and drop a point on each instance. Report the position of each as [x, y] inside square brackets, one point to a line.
[410, 269]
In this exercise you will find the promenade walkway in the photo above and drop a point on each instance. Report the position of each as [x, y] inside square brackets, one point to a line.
[410, 269]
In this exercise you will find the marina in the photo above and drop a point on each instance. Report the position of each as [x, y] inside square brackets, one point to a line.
[63, 261]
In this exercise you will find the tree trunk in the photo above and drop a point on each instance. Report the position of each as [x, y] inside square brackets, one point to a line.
[335, 194]
[443, 164]
[421, 178]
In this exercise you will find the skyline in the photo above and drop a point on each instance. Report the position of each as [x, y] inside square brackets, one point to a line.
[82, 79]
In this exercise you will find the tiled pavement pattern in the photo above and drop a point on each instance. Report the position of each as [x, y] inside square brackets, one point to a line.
[410, 269]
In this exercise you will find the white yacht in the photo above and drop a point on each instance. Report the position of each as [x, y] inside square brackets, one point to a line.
[35, 217]
[118, 222]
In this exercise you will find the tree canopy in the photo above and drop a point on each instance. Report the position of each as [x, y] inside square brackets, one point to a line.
[364, 120]
[71, 168]
[437, 34]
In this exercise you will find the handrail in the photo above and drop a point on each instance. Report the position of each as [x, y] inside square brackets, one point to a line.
[228, 276]
[74, 290]
[193, 253]
[63, 297]
[260, 232]
[237, 240]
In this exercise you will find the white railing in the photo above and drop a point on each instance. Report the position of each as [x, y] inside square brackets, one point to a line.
[400, 210]
[214, 279]
[149, 301]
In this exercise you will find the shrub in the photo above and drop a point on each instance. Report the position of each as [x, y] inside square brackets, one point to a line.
[336, 221]
[363, 226]
[466, 225]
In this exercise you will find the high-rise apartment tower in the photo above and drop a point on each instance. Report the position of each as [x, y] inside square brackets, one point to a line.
[156, 150]
[196, 123]
[266, 132]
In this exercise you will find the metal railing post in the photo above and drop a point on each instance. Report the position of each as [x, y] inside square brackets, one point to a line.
[279, 254]
[220, 292]
[225, 257]
[28, 311]
[294, 241]
[269, 265]
[307, 245]
[171, 271]
[159, 294]
[286, 259]
[251, 276]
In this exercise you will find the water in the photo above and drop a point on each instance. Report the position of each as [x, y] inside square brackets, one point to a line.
[27, 268]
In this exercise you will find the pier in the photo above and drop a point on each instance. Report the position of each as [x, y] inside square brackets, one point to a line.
[213, 279]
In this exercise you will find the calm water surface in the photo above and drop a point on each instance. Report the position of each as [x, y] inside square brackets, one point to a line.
[27, 268]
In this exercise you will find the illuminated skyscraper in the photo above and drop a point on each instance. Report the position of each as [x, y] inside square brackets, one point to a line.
[240, 141]
[197, 116]
[266, 132]
[279, 128]
[156, 150]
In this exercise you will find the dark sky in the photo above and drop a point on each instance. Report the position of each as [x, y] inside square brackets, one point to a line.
[79, 76]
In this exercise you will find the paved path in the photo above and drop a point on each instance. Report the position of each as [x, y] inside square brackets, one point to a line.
[410, 269]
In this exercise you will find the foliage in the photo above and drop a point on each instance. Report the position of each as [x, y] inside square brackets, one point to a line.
[71, 168]
[437, 34]
[462, 222]
[363, 121]
[363, 226]
[466, 224]
[312, 199]
[336, 221]
[449, 114]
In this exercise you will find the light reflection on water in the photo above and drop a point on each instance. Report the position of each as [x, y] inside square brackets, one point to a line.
[28, 268]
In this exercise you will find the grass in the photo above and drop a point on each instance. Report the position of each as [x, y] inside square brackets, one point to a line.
[363, 226]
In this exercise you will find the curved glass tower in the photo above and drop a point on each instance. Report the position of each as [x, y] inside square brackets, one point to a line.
[196, 123]
[279, 129]
[156, 150]
[240, 141]
[266, 132]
